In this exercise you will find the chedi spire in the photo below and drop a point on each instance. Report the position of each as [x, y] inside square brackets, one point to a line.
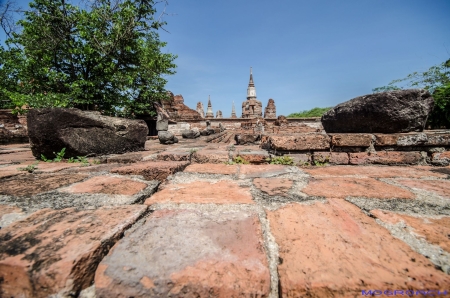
[209, 111]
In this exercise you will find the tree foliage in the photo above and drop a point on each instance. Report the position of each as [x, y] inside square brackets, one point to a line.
[105, 56]
[315, 112]
[436, 80]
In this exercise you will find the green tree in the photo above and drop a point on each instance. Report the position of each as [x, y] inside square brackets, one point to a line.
[314, 112]
[436, 80]
[105, 56]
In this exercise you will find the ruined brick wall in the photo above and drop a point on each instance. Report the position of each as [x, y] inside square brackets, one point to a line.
[178, 111]
[271, 110]
[200, 109]
[251, 108]
[13, 128]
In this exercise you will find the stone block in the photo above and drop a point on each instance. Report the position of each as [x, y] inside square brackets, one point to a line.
[152, 170]
[56, 252]
[245, 139]
[351, 140]
[162, 125]
[335, 158]
[343, 187]
[308, 141]
[386, 158]
[221, 192]
[188, 253]
[441, 158]
[384, 112]
[334, 250]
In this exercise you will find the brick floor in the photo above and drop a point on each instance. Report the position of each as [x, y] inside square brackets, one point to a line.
[333, 249]
[222, 192]
[152, 170]
[440, 187]
[58, 251]
[342, 187]
[188, 253]
[209, 168]
[434, 230]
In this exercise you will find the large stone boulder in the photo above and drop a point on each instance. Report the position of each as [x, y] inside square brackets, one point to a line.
[82, 133]
[166, 137]
[190, 134]
[246, 139]
[386, 112]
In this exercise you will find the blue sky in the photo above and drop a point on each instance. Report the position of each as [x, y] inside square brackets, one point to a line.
[304, 54]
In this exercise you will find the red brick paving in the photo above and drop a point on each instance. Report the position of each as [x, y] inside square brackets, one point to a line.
[222, 192]
[333, 249]
[375, 171]
[152, 170]
[210, 168]
[434, 230]
[342, 187]
[107, 185]
[440, 187]
[187, 253]
[56, 251]
[385, 158]
[274, 186]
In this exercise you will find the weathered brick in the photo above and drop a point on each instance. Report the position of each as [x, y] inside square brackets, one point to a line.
[438, 139]
[375, 171]
[342, 187]
[334, 250]
[222, 192]
[351, 140]
[441, 158]
[108, 185]
[175, 155]
[28, 185]
[386, 139]
[17, 157]
[253, 171]
[300, 159]
[210, 168]
[212, 155]
[307, 141]
[434, 230]
[401, 139]
[188, 253]
[254, 156]
[152, 170]
[56, 252]
[385, 158]
[335, 158]
[440, 187]
[274, 186]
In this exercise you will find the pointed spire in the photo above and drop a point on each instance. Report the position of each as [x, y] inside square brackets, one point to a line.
[233, 111]
[209, 111]
[251, 84]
